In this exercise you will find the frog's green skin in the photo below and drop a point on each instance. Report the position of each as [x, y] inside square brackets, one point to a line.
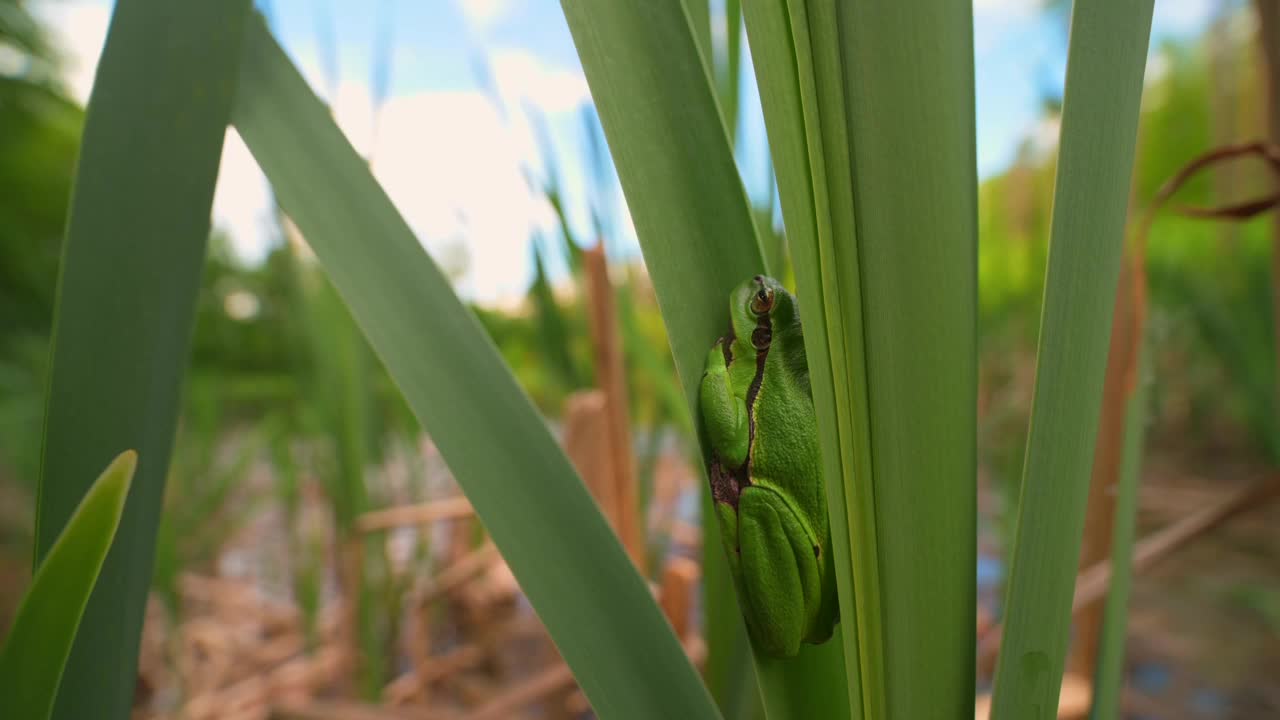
[766, 474]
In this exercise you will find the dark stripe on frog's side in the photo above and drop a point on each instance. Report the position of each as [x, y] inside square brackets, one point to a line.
[743, 475]
[753, 391]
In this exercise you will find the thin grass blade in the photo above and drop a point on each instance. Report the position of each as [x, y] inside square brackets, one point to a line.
[44, 627]
[1110, 673]
[731, 77]
[565, 556]
[130, 272]
[1106, 59]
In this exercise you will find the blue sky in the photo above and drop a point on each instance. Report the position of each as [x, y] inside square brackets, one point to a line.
[454, 150]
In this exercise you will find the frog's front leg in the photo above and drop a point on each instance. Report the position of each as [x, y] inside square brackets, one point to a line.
[724, 414]
[779, 571]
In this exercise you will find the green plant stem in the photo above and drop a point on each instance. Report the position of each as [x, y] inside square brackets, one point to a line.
[1110, 673]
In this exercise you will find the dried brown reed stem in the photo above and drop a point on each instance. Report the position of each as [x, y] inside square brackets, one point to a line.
[414, 515]
[611, 376]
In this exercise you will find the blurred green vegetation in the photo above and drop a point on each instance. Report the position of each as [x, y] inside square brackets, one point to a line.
[38, 144]
[1210, 282]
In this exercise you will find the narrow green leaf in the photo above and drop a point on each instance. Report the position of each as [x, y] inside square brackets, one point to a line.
[130, 271]
[341, 388]
[694, 223]
[565, 556]
[1110, 666]
[731, 76]
[1106, 59]
[552, 325]
[909, 94]
[34, 654]
[814, 185]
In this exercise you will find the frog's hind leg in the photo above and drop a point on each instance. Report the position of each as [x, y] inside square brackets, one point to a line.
[780, 582]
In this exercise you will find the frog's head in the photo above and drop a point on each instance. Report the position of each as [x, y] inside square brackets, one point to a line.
[760, 308]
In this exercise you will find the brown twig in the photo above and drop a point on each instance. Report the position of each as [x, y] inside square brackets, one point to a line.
[338, 710]
[1093, 583]
[548, 681]
[509, 701]
[408, 685]
[461, 571]
[1263, 150]
[414, 515]
[1266, 151]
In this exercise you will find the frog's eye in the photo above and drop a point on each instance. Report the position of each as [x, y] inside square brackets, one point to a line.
[762, 302]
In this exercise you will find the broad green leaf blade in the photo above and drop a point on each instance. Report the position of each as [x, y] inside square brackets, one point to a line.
[130, 271]
[1106, 59]
[698, 236]
[34, 654]
[694, 227]
[909, 94]
[804, 116]
[692, 217]
[566, 558]
[1110, 672]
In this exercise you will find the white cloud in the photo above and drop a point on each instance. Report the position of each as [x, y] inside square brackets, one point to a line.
[523, 76]
[450, 165]
[242, 206]
[485, 13]
[453, 168]
[448, 160]
[79, 28]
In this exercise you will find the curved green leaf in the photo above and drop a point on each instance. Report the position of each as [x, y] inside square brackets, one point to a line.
[45, 625]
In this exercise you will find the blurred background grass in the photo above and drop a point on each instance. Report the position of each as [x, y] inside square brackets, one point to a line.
[292, 431]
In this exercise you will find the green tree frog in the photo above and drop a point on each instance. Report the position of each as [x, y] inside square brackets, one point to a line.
[766, 473]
